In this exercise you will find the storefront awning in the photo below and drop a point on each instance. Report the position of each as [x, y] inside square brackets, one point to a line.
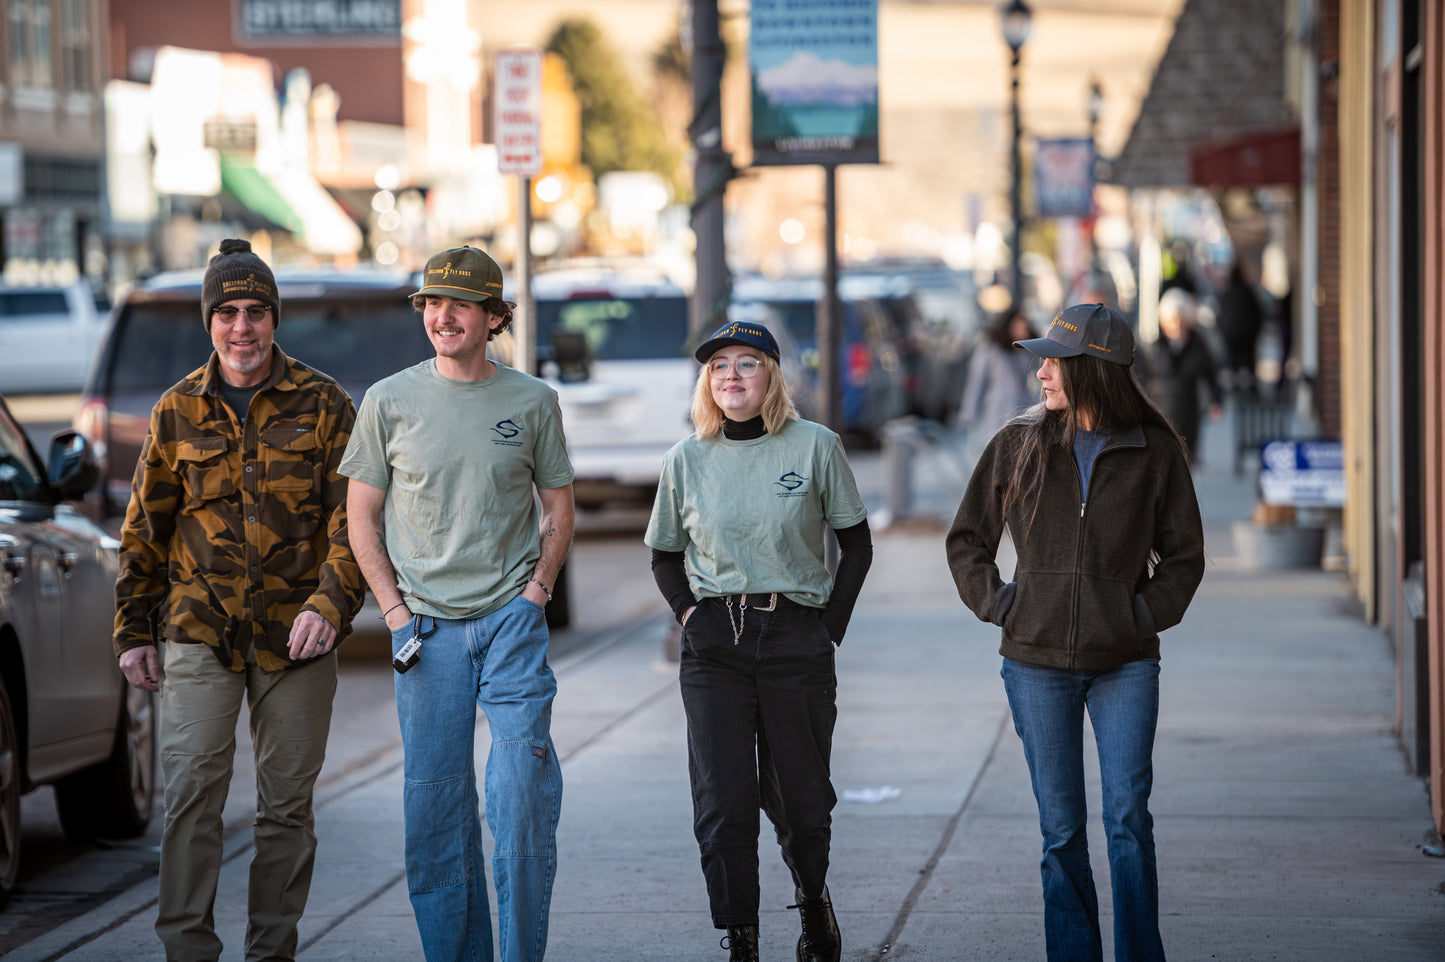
[1220, 81]
[251, 187]
[294, 200]
[1262, 160]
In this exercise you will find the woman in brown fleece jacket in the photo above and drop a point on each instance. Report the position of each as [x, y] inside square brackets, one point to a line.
[1094, 487]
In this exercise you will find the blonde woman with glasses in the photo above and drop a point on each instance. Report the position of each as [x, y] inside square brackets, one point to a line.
[737, 534]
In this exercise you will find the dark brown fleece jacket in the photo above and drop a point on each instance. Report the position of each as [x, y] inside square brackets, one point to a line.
[1083, 596]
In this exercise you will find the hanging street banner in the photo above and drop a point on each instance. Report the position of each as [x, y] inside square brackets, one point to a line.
[1064, 177]
[814, 68]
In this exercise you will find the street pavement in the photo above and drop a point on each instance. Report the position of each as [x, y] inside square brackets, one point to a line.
[1287, 825]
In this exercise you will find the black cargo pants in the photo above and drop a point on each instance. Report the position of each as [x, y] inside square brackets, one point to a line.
[760, 695]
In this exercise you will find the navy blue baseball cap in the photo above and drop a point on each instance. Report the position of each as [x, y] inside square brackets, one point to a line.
[1093, 329]
[742, 333]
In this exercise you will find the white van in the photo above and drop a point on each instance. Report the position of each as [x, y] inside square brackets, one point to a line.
[614, 343]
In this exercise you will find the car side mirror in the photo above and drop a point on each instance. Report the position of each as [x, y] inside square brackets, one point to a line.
[572, 356]
[73, 468]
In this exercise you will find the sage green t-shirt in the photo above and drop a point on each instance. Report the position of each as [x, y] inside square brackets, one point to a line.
[458, 460]
[752, 515]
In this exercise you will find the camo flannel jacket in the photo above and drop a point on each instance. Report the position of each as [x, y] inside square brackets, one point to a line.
[232, 531]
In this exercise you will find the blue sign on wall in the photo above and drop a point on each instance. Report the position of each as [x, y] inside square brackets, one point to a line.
[1306, 474]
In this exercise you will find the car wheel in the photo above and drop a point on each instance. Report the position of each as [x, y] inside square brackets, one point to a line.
[114, 799]
[9, 798]
[559, 609]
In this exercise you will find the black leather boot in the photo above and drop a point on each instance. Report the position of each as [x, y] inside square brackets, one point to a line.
[741, 943]
[820, 941]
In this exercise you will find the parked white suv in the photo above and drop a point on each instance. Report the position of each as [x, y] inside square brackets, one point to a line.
[47, 337]
[614, 343]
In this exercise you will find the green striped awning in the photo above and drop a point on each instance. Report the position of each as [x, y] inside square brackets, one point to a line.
[255, 190]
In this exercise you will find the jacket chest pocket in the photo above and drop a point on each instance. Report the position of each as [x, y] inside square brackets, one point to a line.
[204, 469]
[288, 458]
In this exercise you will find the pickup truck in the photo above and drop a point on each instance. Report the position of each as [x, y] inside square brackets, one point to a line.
[48, 336]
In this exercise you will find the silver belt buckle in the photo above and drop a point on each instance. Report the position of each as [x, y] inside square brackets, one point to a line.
[772, 602]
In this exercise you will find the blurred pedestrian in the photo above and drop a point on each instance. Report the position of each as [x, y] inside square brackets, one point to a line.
[1000, 381]
[1177, 270]
[1241, 318]
[1095, 491]
[235, 545]
[1095, 286]
[444, 465]
[737, 535]
[1179, 368]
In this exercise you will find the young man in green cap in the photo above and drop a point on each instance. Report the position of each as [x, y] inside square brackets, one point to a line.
[444, 462]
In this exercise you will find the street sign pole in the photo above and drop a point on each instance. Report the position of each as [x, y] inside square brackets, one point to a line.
[517, 100]
[524, 322]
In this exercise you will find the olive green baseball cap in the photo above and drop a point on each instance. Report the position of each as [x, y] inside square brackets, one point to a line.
[464, 273]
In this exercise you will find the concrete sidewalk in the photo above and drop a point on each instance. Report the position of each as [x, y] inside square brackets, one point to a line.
[1287, 826]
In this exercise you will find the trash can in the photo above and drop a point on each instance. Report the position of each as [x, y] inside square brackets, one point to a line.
[901, 440]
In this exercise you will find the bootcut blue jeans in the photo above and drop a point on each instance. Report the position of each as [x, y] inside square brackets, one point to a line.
[1048, 709]
[498, 661]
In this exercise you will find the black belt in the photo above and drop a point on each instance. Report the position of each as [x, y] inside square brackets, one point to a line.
[761, 602]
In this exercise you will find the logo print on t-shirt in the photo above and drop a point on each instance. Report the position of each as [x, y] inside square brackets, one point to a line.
[506, 429]
[791, 483]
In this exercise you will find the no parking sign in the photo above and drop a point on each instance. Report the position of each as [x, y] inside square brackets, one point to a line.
[517, 95]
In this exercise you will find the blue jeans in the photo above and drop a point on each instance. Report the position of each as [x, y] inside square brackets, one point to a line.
[1048, 710]
[498, 661]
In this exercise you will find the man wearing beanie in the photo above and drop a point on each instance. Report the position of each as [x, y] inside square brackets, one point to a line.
[234, 553]
[443, 465]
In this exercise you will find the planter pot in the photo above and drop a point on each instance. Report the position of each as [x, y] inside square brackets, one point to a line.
[1266, 546]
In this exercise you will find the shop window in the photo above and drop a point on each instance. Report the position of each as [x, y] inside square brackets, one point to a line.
[30, 60]
[75, 45]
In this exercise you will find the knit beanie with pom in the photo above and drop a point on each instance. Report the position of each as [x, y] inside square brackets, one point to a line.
[235, 274]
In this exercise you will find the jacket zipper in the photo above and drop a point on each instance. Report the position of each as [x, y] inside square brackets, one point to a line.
[1079, 554]
[1078, 561]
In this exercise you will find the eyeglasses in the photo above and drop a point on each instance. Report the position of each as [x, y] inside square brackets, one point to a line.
[256, 313]
[745, 366]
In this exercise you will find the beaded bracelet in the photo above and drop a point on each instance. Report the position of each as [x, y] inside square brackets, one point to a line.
[544, 588]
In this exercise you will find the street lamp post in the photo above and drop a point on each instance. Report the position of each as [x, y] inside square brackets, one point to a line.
[1016, 17]
[1096, 107]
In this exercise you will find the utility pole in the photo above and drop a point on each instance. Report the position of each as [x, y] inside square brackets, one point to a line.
[711, 170]
[830, 388]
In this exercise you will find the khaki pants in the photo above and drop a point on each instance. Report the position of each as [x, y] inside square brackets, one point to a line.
[290, 717]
